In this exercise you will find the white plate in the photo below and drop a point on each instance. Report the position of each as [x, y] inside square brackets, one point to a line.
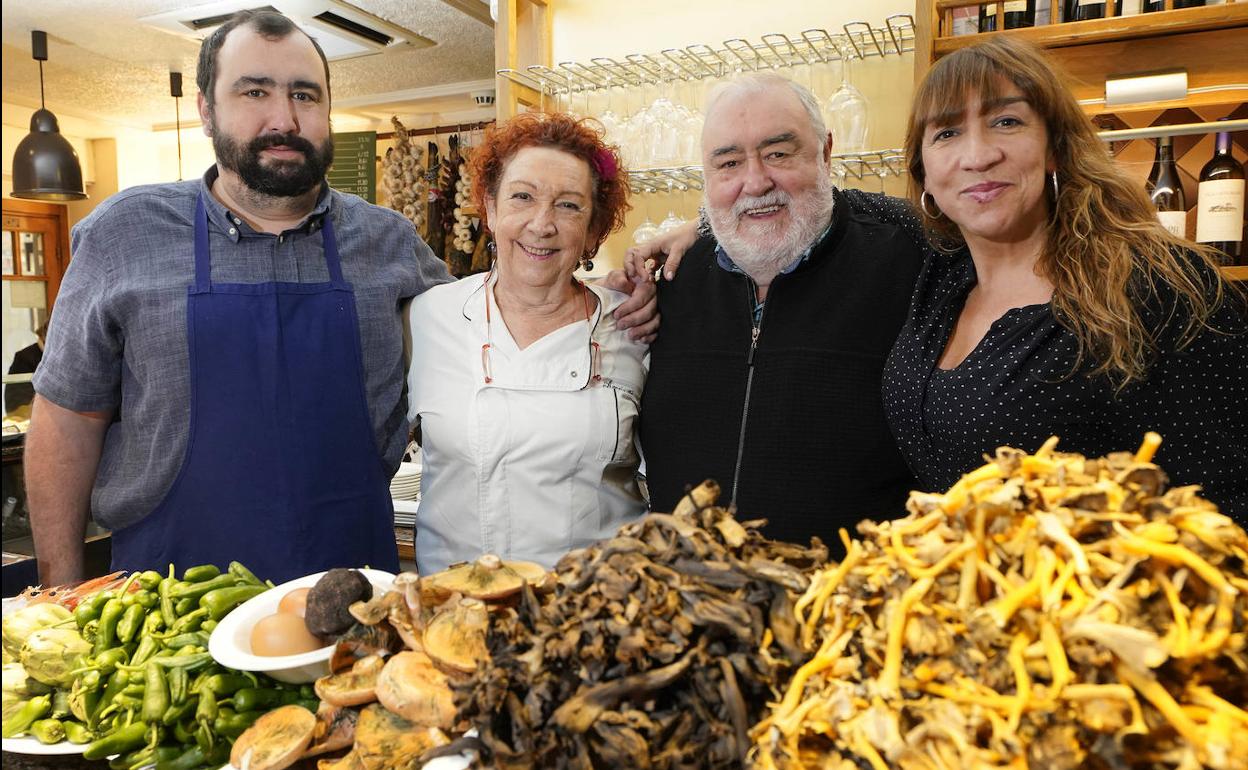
[230, 643]
[28, 744]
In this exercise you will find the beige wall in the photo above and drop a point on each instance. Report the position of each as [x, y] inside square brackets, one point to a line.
[584, 29]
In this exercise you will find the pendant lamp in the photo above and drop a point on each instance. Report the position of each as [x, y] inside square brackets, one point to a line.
[45, 166]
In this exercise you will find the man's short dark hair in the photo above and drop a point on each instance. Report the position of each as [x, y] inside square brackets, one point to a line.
[270, 25]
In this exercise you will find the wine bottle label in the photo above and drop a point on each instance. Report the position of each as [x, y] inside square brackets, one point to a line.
[1220, 211]
[1016, 7]
[1174, 221]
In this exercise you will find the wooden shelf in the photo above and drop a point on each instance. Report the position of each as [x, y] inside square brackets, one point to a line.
[1238, 273]
[1119, 28]
[1200, 41]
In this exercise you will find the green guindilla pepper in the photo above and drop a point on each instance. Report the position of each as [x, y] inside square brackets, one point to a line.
[233, 725]
[154, 622]
[179, 681]
[110, 616]
[77, 732]
[242, 573]
[116, 683]
[183, 606]
[156, 693]
[163, 591]
[48, 730]
[150, 579]
[221, 601]
[183, 640]
[252, 698]
[196, 757]
[196, 590]
[206, 709]
[201, 573]
[20, 721]
[106, 662]
[188, 622]
[89, 609]
[185, 733]
[177, 712]
[148, 646]
[226, 684]
[310, 704]
[130, 623]
[208, 625]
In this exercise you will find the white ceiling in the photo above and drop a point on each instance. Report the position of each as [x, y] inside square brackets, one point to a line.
[104, 65]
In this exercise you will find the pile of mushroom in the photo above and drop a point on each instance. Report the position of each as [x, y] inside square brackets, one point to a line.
[1048, 611]
[388, 698]
[646, 654]
[403, 177]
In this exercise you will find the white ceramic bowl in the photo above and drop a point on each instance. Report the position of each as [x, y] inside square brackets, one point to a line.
[230, 643]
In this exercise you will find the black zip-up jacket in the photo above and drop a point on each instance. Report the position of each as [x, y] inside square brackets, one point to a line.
[815, 450]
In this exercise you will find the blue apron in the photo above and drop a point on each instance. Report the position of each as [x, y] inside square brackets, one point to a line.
[282, 471]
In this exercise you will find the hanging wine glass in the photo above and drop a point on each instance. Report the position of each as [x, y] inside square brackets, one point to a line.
[847, 110]
[647, 230]
[611, 124]
[672, 220]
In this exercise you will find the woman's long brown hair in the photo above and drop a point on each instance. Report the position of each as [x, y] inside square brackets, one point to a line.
[1103, 236]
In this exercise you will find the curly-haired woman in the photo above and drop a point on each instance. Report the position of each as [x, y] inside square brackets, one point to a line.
[526, 390]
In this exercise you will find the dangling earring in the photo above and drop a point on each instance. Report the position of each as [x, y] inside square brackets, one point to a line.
[1053, 176]
[923, 205]
[587, 263]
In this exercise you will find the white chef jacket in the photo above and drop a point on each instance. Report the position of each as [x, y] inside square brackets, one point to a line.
[540, 460]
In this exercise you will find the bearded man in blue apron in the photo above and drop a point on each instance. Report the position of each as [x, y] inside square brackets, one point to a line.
[224, 378]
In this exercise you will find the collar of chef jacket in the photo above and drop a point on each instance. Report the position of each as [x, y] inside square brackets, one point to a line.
[558, 362]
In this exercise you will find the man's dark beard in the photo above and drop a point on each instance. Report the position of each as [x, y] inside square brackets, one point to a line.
[281, 179]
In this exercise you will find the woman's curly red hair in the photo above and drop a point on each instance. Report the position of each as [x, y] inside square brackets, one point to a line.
[582, 137]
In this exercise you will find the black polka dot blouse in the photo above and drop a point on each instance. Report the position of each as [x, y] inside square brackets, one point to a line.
[1018, 387]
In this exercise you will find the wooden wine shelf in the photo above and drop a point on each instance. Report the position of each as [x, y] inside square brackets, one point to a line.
[1237, 273]
[1115, 29]
[1200, 41]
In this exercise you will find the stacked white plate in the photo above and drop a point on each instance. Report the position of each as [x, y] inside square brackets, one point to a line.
[406, 483]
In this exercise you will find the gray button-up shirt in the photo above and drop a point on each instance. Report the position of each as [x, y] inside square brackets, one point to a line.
[118, 339]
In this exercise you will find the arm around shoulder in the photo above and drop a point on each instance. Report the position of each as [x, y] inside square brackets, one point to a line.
[62, 453]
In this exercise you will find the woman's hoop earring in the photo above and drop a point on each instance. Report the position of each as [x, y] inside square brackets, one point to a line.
[1053, 176]
[923, 205]
[587, 263]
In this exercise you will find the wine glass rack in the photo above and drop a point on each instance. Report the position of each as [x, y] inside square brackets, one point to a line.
[849, 165]
[773, 51]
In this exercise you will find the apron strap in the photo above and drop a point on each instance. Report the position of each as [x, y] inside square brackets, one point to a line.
[203, 258]
[330, 244]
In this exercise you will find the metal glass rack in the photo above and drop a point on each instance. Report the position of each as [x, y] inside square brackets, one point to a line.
[851, 165]
[775, 50]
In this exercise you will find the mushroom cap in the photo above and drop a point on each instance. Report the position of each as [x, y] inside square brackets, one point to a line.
[411, 686]
[455, 638]
[276, 740]
[351, 688]
[489, 578]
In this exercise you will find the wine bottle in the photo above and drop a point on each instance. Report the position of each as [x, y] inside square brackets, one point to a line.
[1152, 6]
[1018, 13]
[1082, 10]
[1166, 189]
[1220, 205]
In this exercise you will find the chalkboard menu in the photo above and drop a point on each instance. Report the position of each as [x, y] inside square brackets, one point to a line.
[355, 164]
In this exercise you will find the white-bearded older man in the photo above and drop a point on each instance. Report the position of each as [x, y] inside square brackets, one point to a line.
[766, 376]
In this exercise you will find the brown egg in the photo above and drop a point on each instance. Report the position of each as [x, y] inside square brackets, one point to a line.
[295, 602]
[282, 633]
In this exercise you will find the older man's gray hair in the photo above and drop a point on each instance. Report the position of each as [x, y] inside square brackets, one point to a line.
[758, 82]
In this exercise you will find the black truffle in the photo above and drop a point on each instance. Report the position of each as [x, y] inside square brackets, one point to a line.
[328, 612]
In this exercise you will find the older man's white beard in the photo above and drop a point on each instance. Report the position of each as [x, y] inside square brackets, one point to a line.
[763, 249]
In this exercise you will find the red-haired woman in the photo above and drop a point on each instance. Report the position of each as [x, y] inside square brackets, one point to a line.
[526, 390]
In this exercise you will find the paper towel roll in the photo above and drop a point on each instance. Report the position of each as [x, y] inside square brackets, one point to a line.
[1155, 87]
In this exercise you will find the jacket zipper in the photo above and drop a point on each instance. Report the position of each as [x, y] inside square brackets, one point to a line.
[755, 331]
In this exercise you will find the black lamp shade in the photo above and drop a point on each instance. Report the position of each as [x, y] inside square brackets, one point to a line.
[45, 166]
